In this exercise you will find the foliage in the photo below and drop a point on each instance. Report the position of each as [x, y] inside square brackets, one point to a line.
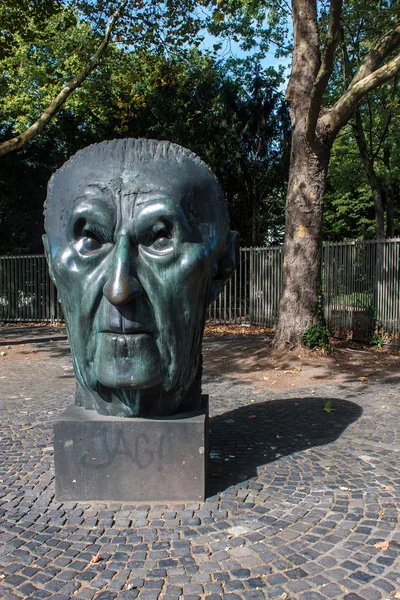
[195, 101]
[349, 209]
[328, 407]
[316, 336]
[350, 204]
[377, 340]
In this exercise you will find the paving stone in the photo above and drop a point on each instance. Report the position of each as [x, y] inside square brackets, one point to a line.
[276, 521]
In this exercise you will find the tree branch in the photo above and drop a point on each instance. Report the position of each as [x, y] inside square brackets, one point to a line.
[383, 135]
[306, 58]
[326, 68]
[345, 107]
[374, 59]
[17, 142]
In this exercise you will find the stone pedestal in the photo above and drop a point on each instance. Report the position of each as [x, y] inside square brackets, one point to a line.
[130, 460]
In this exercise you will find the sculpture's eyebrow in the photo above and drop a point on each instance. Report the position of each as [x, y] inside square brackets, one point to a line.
[152, 196]
[93, 190]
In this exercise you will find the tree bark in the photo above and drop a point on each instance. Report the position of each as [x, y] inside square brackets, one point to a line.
[303, 241]
[254, 224]
[390, 195]
[307, 178]
[390, 202]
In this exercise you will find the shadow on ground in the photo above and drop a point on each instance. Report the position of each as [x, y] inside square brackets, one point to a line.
[254, 435]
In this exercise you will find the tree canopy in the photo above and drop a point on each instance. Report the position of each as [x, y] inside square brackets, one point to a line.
[233, 115]
[153, 80]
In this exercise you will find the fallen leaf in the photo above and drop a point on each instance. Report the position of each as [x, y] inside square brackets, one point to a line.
[96, 558]
[397, 594]
[328, 407]
[3, 353]
[252, 417]
[362, 378]
[2, 576]
[382, 546]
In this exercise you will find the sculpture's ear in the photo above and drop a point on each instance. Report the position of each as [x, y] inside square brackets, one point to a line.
[45, 240]
[225, 266]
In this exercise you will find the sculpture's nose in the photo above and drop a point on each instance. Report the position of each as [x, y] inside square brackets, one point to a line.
[122, 284]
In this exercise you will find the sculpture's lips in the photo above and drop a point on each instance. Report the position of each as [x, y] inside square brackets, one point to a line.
[128, 331]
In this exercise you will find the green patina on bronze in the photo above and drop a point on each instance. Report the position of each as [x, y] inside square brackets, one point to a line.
[138, 244]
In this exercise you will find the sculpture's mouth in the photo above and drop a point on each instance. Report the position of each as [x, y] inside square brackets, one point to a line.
[137, 321]
[133, 330]
[127, 323]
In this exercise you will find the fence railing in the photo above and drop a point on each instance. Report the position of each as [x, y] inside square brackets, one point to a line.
[361, 289]
[361, 286]
[26, 290]
[252, 295]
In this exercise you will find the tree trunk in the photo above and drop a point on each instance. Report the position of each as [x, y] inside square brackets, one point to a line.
[377, 194]
[254, 223]
[390, 201]
[303, 241]
[368, 164]
[307, 178]
[314, 129]
[390, 194]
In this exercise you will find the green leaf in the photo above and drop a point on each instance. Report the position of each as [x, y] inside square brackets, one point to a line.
[328, 407]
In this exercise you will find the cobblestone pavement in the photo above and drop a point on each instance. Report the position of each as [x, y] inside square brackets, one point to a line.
[302, 503]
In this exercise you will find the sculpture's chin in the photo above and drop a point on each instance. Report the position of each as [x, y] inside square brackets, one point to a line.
[129, 375]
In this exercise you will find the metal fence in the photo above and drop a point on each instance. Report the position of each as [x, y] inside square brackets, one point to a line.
[252, 295]
[360, 283]
[26, 290]
[361, 289]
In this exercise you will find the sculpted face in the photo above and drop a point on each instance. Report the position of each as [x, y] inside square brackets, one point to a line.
[137, 246]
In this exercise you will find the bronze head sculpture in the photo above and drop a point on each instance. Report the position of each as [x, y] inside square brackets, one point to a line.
[138, 244]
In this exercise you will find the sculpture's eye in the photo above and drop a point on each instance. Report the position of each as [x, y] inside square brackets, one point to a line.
[162, 241]
[159, 239]
[89, 244]
[90, 237]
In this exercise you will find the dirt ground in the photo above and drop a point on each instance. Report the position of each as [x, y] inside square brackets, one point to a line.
[245, 353]
[241, 352]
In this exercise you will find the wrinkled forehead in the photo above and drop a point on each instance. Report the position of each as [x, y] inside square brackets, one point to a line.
[189, 186]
